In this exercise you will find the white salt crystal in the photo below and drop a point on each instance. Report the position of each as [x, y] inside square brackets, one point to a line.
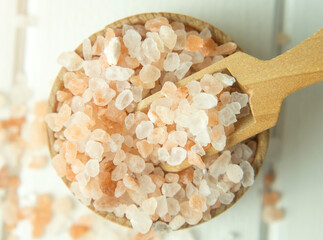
[162, 208]
[248, 174]
[132, 41]
[124, 99]
[219, 166]
[165, 114]
[177, 156]
[87, 49]
[173, 206]
[234, 173]
[113, 50]
[246, 152]
[204, 101]
[198, 149]
[128, 140]
[92, 167]
[116, 141]
[135, 163]
[97, 83]
[223, 187]
[122, 85]
[146, 185]
[82, 178]
[94, 149]
[131, 211]
[87, 95]
[150, 49]
[163, 154]
[170, 189]
[227, 115]
[120, 210]
[197, 122]
[171, 62]
[226, 198]
[241, 98]
[184, 57]
[205, 33]
[103, 96]
[178, 137]
[203, 137]
[129, 120]
[213, 197]
[141, 222]
[226, 79]
[220, 143]
[144, 129]
[168, 36]
[194, 87]
[92, 68]
[211, 85]
[161, 102]
[70, 60]
[149, 73]
[137, 93]
[177, 222]
[117, 73]
[204, 188]
[77, 104]
[157, 39]
[125, 28]
[149, 206]
[182, 69]
[120, 156]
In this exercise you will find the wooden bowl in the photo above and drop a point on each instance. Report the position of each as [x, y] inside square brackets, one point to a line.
[197, 24]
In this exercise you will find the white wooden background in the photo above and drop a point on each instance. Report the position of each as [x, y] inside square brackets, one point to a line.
[296, 150]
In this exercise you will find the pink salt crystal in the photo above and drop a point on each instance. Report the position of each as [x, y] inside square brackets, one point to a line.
[146, 185]
[234, 173]
[116, 73]
[119, 172]
[149, 206]
[77, 104]
[192, 216]
[92, 167]
[98, 45]
[198, 149]
[82, 178]
[125, 28]
[170, 189]
[149, 73]
[129, 120]
[169, 90]
[178, 137]
[141, 222]
[102, 97]
[226, 198]
[94, 149]
[181, 39]
[119, 157]
[135, 163]
[162, 208]
[171, 177]
[116, 141]
[211, 85]
[213, 197]
[204, 101]
[182, 70]
[130, 183]
[75, 132]
[150, 49]
[144, 148]
[191, 190]
[92, 68]
[195, 160]
[131, 211]
[171, 62]
[113, 50]
[165, 114]
[59, 164]
[51, 122]
[149, 168]
[87, 49]
[70, 60]
[193, 43]
[204, 188]
[205, 33]
[128, 141]
[157, 39]
[173, 206]
[248, 174]
[99, 135]
[227, 116]
[219, 166]
[226, 79]
[177, 222]
[185, 57]
[159, 135]
[241, 98]
[194, 87]
[120, 210]
[198, 202]
[137, 93]
[154, 24]
[246, 152]
[124, 99]
[177, 156]
[144, 129]
[168, 36]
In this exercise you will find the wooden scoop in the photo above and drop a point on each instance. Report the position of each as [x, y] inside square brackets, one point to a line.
[266, 82]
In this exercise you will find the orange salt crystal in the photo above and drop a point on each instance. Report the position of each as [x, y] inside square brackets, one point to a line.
[70, 151]
[63, 95]
[213, 115]
[182, 92]
[98, 46]
[124, 49]
[59, 164]
[207, 147]
[77, 231]
[144, 148]
[114, 114]
[13, 122]
[14, 182]
[193, 43]
[225, 49]
[107, 186]
[75, 132]
[195, 160]
[271, 198]
[103, 61]
[131, 62]
[209, 46]
[169, 145]
[189, 144]
[157, 179]
[154, 24]
[76, 84]
[186, 176]
[197, 202]
[154, 217]
[70, 175]
[171, 127]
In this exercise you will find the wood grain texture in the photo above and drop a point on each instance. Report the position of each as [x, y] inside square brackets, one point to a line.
[262, 139]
